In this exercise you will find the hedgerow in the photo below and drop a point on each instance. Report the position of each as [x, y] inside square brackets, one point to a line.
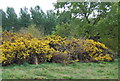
[19, 48]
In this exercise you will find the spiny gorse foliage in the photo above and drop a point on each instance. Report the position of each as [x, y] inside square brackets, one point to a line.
[19, 48]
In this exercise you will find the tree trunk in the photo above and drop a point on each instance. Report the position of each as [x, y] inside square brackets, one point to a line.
[35, 60]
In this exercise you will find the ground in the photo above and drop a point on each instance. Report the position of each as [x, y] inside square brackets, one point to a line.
[80, 70]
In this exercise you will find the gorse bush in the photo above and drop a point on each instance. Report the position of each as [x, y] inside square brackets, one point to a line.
[19, 48]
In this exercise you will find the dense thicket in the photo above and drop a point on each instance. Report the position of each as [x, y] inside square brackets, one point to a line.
[19, 48]
[92, 20]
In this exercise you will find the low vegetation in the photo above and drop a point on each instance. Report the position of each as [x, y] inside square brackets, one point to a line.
[79, 70]
[20, 48]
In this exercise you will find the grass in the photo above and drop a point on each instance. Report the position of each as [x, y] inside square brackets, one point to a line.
[105, 70]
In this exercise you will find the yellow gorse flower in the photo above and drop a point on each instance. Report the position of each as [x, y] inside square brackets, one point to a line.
[23, 46]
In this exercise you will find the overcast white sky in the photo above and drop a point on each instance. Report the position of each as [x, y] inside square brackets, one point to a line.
[17, 4]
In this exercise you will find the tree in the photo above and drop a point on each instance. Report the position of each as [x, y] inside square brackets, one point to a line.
[25, 19]
[38, 18]
[88, 13]
[38, 15]
[42, 20]
[63, 30]
[4, 19]
[83, 10]
[11, 19]
[51, 21]
[108, 28]
[64, 17]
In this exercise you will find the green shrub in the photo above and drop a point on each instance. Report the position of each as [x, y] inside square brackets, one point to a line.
[33, 30]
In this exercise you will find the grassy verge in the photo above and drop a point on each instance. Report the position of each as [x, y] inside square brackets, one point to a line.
[105, 70]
